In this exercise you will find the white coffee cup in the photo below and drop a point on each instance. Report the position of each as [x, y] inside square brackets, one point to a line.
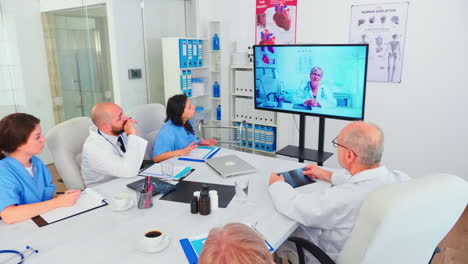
[153, 239]
[120, 201]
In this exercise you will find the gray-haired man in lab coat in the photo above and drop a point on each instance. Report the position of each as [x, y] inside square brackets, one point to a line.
[327, 217]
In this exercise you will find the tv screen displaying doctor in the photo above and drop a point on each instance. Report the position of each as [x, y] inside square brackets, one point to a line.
[314, 94]
[177, 136]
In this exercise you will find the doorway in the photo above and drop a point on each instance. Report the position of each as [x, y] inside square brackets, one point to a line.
[77, 47]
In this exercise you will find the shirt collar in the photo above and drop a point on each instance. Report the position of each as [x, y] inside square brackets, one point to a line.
[112, 139]
[369, 174]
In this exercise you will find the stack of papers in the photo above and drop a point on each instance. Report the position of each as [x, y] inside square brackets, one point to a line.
[200, 154]
[178, 172]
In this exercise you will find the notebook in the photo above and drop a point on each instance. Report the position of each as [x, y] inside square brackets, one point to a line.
[230, 165]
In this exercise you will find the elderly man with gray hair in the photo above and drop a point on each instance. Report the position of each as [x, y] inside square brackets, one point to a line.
[327, 217]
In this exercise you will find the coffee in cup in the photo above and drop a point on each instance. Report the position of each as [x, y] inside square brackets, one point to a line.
[153, 240]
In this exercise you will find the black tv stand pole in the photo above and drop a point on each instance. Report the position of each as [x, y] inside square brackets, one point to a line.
[302, 153]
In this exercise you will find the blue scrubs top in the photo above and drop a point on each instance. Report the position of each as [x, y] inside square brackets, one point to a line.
[172, 137]
[18, 187]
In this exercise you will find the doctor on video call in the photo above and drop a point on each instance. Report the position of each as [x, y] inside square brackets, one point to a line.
[314, 94]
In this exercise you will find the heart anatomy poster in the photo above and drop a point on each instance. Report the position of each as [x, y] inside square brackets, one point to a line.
[276, 22]
[383, 27]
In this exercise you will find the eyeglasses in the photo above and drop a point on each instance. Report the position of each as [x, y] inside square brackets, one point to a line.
[336, 145]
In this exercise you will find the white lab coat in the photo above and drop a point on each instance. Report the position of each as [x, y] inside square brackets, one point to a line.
[327, 217]
[102, 160]
[324, 97]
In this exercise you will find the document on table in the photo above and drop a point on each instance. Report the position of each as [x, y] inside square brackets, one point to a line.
[178, 172]
[200, 154]
[89, 200]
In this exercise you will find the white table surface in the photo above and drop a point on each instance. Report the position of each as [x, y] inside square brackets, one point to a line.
[106, 236]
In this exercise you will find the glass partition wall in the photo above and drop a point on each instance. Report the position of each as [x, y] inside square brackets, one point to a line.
[57, 60]
[77, 46]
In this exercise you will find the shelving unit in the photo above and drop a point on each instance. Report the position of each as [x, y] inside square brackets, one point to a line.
[242, 108]
[174, 72]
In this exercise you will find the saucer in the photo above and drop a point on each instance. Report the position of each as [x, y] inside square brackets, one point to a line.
[164, 244]
[130, 205]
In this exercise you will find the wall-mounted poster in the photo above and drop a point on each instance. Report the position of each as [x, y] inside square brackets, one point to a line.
[276, 22]
[383, 27]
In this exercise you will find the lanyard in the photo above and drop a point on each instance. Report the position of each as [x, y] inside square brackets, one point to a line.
[117, 148]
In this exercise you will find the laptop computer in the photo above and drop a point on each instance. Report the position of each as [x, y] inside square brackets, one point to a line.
[231, 165]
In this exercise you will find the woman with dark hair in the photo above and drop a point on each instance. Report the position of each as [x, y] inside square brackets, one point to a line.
[177, 136]
[26, 188]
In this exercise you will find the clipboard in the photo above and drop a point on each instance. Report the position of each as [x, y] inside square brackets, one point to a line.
[201, 154]
[88, 201]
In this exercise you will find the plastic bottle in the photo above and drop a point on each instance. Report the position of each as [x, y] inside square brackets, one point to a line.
[215, 42]
[216, 89]
[194, 205]
[218, 112]
[204, 203]
[214, 200]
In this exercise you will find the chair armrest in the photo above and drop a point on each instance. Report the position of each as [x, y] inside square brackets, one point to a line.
[301, 243]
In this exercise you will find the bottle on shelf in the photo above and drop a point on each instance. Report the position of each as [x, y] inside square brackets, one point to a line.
[218, 112]
[216, 89]
[215, 42]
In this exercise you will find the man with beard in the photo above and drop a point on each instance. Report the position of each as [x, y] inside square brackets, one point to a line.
[112, 148]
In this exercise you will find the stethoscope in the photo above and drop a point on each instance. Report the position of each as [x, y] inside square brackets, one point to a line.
[29, 250]
[117, 148]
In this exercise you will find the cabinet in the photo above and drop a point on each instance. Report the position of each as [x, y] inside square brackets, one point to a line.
[261, 125]
[191, 66]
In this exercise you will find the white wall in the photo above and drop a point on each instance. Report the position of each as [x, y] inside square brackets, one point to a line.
[424, 117]
[127, 52]
[27, 56]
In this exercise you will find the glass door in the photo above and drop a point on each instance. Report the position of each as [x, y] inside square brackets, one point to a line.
[77, 45]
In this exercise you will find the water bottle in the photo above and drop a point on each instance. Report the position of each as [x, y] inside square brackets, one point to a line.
[215, 42]
[204, 203]
[218, 113]
[214, 200]
[215, 89]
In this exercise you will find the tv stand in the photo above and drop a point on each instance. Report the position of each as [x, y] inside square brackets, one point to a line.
[302, 153]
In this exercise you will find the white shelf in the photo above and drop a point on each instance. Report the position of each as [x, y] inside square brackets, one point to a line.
[242, 81]
[253, 150]
[242, 95]
[246, 67]
[254, 123]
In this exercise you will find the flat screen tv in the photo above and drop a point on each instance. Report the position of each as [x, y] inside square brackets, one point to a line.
[326, 80]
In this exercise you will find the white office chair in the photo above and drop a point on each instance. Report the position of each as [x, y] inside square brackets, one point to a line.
[65, 142]
[401, 223]
[150, 119]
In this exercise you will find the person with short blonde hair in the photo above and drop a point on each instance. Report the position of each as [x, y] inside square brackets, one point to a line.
[234, 243]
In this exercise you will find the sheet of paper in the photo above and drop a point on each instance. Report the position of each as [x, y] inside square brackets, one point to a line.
[200, 153]
[155, 171]
[89, 199]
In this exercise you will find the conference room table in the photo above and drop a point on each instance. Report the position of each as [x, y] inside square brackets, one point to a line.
[106, 236]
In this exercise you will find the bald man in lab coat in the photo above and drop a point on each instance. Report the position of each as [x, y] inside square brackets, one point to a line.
[327, 217]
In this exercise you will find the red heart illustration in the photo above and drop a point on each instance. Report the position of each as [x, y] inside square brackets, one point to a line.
[281, 17]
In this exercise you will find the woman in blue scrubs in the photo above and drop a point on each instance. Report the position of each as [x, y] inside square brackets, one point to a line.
[177, 136]
[26, 188]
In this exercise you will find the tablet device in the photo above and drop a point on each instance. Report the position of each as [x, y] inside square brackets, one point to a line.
[295, 178]
[160, 187]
